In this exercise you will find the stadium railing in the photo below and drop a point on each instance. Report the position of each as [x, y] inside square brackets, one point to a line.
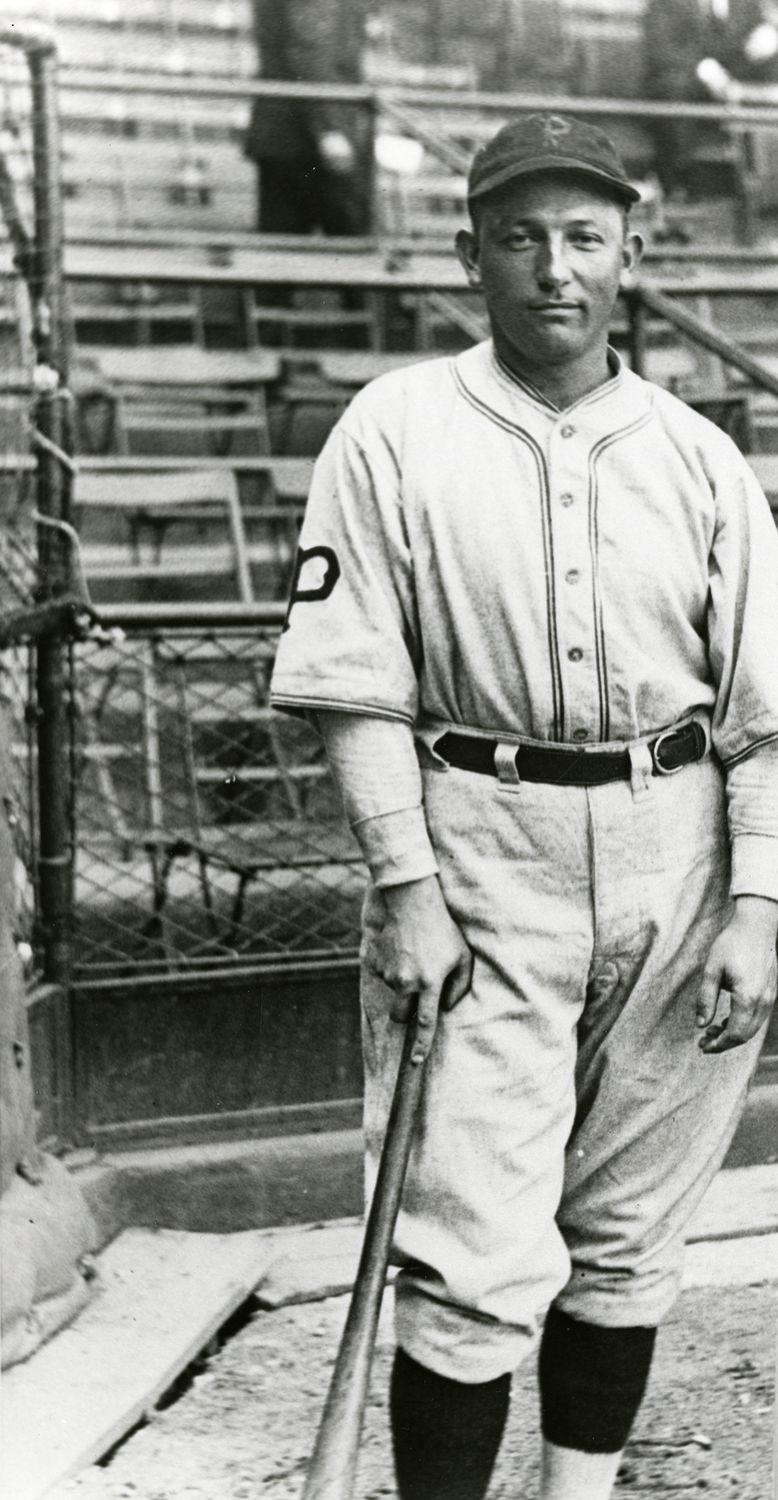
[449, 123]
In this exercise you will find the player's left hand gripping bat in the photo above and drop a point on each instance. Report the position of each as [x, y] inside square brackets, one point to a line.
[332, 1470]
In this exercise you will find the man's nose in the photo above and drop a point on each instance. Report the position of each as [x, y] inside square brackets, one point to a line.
[551, 266]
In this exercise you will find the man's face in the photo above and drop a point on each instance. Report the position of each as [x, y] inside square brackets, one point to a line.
[549, 254]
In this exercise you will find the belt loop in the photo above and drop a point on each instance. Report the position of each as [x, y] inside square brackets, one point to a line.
[641, 770]
[506, 768]
[429, 741]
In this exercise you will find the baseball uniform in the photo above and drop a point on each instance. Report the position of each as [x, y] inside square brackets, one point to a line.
[475, 562]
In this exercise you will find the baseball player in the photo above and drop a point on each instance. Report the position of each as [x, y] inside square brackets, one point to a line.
[534, 617]
[313, 156]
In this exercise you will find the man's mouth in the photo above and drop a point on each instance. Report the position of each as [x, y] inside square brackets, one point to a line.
[555, 307]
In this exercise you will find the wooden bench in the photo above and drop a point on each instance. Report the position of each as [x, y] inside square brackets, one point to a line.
[159, 398]
[145, 42]
[149, 116]
[178, 181]
[251, 538]
[182, 367]
[131, 290]
[151, 312]
[151, 503]
[281, 479]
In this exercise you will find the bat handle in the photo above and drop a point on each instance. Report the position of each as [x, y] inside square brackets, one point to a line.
[332, 1470]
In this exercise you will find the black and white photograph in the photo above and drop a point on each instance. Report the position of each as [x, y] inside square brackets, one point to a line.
[389, 749]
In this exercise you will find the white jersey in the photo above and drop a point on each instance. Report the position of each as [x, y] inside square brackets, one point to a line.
[473, 558]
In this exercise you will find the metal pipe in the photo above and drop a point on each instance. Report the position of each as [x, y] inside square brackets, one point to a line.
[48, 313]
[52, 420]
[701, 333]
[214, 616]
[53, 501]
[94, 80]
[446, 151]
[55, 857]
[712, 284]
[33, 40]
[308, 963]
[386, 244]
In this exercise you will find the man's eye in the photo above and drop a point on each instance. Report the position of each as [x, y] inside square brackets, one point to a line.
[588, 239]
[518, 241]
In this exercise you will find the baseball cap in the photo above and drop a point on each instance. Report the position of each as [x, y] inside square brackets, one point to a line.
[548, 143]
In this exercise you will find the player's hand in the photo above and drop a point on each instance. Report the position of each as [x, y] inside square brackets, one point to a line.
[416, 948]
[742, 965]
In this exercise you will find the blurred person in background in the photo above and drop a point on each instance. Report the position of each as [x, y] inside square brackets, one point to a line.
[313, 156]
[757, 23]
[696, 51]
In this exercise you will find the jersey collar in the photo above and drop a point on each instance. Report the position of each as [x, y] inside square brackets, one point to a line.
[531, 391]
[610, 407]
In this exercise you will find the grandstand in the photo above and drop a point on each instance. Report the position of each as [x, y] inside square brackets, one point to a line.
[208, 837]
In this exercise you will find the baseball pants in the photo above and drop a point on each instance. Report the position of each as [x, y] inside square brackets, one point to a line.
[569, 1124]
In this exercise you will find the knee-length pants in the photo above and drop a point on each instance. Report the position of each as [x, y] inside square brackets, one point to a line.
[570, 1123]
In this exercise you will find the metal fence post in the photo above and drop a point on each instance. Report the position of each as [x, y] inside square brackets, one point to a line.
[53, 440]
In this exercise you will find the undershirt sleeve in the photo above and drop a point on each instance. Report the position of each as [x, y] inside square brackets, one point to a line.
[374, 764]
[752, 803]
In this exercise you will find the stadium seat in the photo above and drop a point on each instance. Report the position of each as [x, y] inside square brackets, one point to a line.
[181, 401]
[236, 521]
[148, 505]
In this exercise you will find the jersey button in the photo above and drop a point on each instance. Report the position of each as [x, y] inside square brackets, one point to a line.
[566, 500]
[575, 654]
[567, 431]
[580, 734]
[572, 575]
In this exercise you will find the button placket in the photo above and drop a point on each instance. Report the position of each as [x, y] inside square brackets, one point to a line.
[581, 695]
[569, 467]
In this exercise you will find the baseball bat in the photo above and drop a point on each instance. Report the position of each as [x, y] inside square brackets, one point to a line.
[332, 1470]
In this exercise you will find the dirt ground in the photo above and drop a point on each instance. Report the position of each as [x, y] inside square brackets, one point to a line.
[243, 1430]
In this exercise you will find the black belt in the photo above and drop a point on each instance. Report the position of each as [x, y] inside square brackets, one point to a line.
[670, 752]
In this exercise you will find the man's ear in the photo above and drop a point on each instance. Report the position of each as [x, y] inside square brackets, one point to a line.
[467, 251]
[632, 252]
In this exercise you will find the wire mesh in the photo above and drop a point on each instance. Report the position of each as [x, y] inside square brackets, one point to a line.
[208, 829]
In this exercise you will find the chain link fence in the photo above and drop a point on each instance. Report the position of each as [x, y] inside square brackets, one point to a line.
[207, 829]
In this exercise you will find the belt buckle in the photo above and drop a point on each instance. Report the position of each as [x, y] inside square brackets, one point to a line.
[658, 767]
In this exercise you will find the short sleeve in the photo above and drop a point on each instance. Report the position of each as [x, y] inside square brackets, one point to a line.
[743, 617]
[350, 640]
